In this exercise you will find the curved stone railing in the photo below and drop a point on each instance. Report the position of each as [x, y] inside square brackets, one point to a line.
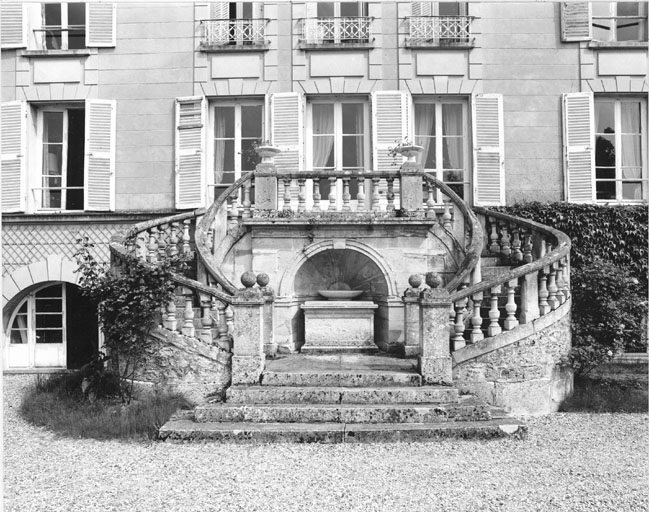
[537, 263]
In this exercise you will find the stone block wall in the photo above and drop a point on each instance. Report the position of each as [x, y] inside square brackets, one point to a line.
[523, 374]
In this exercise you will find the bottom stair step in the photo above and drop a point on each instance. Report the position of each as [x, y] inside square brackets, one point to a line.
[189, 431]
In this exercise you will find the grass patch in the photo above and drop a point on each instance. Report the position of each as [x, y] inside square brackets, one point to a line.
[58, 404]
[604, 395]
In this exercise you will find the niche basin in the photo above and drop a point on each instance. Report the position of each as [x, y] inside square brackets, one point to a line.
[340, 294]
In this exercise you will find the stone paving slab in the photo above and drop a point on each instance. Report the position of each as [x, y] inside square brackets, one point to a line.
[336, 394]
[187, 431]
[306, 363]
[341, 378]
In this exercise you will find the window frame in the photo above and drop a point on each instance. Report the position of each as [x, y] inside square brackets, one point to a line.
[438, 171]
[35, 196]
[613, 18]
[618, 101]
[212, 185]
[63, 29]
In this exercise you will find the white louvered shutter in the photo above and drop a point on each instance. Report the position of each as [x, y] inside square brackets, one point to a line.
[13, 136]
[579, 154]
[391, 118]
[287, 129]
[421, 8]
[190, 152]
[99, 164]
[576, 21]
[488, 150]
[12, 31]
[220, 10]
[100, 25]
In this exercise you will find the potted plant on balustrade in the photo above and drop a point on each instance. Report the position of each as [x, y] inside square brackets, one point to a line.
[406, 148]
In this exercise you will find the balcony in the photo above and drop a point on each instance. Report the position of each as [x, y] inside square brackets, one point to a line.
[343, 31]
[440, 31]
[234, 34]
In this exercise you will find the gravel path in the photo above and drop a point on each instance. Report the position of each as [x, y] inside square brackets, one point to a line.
[569, 462]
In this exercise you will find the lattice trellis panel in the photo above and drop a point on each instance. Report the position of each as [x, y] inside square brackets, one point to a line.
[24, 244]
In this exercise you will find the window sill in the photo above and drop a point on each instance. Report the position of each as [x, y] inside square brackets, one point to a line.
[629, 45]
[335, 46]
[232, 48]
[439, 45]
[58, 53]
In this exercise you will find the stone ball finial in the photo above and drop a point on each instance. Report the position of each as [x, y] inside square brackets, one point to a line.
[415, 280]
[263, 279]
[433, 279]
[248, 279]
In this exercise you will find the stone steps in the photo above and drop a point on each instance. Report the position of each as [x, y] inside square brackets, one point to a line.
[184, 430]
[467, 409]
[339, 395]
[341, 379]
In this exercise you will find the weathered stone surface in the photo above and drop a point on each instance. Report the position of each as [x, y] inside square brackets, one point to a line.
[343, 378]
[524, 377]
[367, 395]
[338, 323]
[436, 370]
[247, 369]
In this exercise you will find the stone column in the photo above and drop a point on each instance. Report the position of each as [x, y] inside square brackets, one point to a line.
[411, 186]
[435, 363]
[270, 347]
[248, 333]
[266, 186]
[411, 316]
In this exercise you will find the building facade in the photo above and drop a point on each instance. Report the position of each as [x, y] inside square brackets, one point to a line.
[117, 113]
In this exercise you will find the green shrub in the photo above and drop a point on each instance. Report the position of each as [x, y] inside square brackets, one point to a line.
[605, 396]
[59, 404]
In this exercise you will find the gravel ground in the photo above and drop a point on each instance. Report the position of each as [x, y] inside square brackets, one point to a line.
[569, 462]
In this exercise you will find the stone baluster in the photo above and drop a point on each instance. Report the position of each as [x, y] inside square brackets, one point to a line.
[390, 195]
[188, 316]
[332, 194]
[511, 321]
[447, 218]
[565, 278]
[346, 195]
[527, 246]
[301, 195]
[430, 200]
[287, 194]
[186, 238]
[458, 328]
[229, 318]
[171, 321]
[234, 204]
[476, 319]
[224, 339]
[210, 238]
[544, 307]
[505, 243]
[494, 246]
[153, 245]
[360, 197]
[375, 194]
[206, 321]
[316, 194]
[517, 254]
[246, 203]
[553, 300]
[163, 238]
[494, 312]
[173, 240]
[561, 298]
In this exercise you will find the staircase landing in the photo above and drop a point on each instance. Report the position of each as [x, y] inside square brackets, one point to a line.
[338, 398]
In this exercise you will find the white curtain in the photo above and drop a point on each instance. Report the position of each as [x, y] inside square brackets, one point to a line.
[425, 123]
[219, 149]
[631, 149]
[452, 126]
[323, 124]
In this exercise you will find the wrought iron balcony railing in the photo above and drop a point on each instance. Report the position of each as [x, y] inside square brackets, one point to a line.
[337, 30]
[234, 32]
[440, 30]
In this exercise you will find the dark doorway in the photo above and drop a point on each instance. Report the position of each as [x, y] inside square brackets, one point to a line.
[82, 329]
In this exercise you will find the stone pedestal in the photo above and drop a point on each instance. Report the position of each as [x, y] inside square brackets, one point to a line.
[435, 364]
[411, 186]
[411, 322]
[248, 336]
[338, 325]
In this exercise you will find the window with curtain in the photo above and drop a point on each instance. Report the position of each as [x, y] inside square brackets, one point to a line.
[619, 21]
[64, 26]
[620, 149]
[339, 137]
[238, 128]
[441, 128]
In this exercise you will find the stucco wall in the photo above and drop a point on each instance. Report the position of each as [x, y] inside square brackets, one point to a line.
[524, 375]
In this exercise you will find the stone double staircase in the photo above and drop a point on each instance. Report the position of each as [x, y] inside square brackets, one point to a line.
[341, 398]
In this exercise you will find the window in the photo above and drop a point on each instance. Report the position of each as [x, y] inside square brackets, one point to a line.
[619, 22]
[62, 176]
[439, 23]
[441, 129]
[63, 26]
[52, 327]
[620, 149]
[339, 138]
[337, 23]
[238, 127]
[235, 23]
